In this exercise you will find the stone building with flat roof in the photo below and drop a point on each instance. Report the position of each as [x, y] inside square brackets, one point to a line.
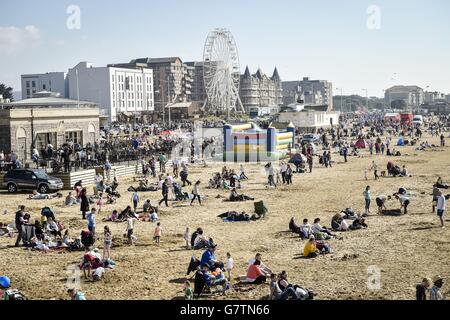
[46, 119]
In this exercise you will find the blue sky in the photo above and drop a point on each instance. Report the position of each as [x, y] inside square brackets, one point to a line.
[320, 39]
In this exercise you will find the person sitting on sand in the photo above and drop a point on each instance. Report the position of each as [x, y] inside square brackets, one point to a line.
[338, 222]
[242, 175]
[215, 278]
[70, 200]
[293, 226]
[305, 229]
[404, 172]
[258, 257]
[256, 275]
[113, 217]
[275, 291]
[201, 241]
[128, 212]
[234, 196]
[317, 228]
[147, 207]
[53, 228]
[358, 223]
[209, 258]
[310, 250]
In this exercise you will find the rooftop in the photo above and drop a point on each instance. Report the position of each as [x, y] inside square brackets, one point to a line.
[47, 99]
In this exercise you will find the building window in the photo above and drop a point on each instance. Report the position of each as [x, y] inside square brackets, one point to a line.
[28, 84]
[33, 84]
[74, 136]
[43, 87]
[28, 92]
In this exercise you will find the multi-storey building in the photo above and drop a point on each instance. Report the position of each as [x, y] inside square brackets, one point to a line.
[50, 81]
[171, 80]
[430, 97]
[116, 90]
[413, 96]
[290, 92]
[198, 86]
[259, 92]
[311, 92]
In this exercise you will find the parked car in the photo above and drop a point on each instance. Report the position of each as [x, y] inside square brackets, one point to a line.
[417, 120]
[30, 179]
[310, 138]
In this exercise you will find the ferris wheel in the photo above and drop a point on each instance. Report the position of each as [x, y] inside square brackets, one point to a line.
[221, 72]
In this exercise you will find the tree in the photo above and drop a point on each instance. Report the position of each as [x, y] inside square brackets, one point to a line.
[6, 92]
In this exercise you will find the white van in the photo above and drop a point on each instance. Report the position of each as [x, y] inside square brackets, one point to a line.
[417, 120]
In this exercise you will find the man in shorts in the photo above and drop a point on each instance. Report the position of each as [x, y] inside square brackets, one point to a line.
[441, 207]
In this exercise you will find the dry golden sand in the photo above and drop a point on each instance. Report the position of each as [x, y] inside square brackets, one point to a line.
[405, 248]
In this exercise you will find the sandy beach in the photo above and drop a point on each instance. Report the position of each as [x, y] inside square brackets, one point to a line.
[405, 249]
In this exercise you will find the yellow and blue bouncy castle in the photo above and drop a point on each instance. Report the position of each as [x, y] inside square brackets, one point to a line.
[249, 143]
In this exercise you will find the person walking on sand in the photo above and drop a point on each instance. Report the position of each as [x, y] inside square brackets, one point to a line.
[374, 167]
[165, 192]
[270, 174]
[135, 200]
[196, 193]
[367, 198]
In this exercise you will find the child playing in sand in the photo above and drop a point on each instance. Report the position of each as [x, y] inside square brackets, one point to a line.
[187, 237]
[230, 265]
[188, 293]
[157, 234]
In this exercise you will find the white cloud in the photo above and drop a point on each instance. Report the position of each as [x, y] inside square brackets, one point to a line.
[14, 40]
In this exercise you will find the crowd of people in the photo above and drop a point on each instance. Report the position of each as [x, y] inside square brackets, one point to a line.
[150, 146]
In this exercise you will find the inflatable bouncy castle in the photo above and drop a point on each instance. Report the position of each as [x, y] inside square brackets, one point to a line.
[249, 143]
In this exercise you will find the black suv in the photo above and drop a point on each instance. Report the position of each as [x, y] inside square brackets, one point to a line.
[30, 179]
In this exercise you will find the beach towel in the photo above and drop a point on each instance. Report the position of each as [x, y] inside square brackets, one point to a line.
[392, 212]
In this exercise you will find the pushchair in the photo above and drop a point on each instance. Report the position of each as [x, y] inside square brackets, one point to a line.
[179, 194]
